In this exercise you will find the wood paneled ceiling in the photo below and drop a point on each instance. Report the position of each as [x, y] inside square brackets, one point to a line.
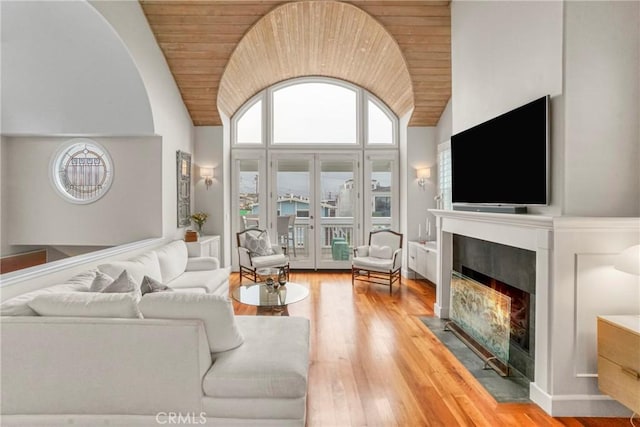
[198, 39]
[317, 38]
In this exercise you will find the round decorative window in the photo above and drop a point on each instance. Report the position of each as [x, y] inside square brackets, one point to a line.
[82, 171]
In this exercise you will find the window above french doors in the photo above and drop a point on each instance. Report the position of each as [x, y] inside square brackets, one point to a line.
[322, 153]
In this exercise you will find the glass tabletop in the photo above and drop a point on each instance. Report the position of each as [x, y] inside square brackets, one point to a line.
[261, 295]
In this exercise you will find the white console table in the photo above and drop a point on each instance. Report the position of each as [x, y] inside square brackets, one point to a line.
[423, 259]
[205, 246]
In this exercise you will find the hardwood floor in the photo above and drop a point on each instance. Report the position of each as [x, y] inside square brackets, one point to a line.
[373, 362]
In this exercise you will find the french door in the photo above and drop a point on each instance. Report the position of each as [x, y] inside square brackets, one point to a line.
[315, 207]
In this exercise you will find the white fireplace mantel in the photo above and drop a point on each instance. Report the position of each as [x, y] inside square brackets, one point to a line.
[572, 258]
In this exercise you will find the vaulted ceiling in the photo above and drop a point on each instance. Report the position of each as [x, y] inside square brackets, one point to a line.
[199, 38]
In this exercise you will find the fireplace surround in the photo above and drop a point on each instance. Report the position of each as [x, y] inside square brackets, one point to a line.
[574, 283]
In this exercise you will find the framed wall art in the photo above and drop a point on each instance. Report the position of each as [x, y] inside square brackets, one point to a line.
[183, 174]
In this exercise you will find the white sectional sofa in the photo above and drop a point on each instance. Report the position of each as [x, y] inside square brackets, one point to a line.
[180, 358]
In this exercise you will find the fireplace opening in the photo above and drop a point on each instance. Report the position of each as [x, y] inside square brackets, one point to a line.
[520, 306]
[491, 265]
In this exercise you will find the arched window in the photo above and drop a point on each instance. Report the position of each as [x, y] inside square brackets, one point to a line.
[249, 124]
[314, 111]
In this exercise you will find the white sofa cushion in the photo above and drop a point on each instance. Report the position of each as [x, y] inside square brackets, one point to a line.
[212, 281]
[144, 265]
[192, 290]
[19, 306]
[172, 259]
[86, 304]
[202, 263]
[215, 311]
[273, 362]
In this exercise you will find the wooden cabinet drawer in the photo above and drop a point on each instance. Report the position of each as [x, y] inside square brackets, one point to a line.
[619, 345]
[621, 384]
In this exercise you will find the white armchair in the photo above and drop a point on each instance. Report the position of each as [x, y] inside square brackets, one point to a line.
[255, 252]
[380, 261]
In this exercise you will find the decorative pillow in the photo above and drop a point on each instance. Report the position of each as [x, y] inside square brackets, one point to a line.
[150, 285]
[143, 265]
[259, 245]
[86, 304]
[124, 283]
[100, 282]
[384, 252]
[215, 311]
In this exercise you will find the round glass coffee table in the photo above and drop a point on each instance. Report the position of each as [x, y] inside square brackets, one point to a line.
[270, 299]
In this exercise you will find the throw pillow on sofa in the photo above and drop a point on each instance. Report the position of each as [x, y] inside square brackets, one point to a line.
[86, 304]
[124, 283]
[100, 282]
[143, 265]
[215, 311]
[150, 285]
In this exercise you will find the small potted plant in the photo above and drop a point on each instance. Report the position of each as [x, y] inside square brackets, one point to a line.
[199, 218]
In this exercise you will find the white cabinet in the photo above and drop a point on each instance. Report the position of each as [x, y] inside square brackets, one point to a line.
[423, 259]
[205, 246]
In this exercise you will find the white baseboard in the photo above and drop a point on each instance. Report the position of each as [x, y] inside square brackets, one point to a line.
[441, 312]
[577, 405]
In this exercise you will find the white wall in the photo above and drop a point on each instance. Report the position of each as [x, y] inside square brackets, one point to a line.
[602, 108]
[422, 153]
[170, 116]
[505, 54]
[444, 127]
[210, 153]
[65, 72]
[35, 214]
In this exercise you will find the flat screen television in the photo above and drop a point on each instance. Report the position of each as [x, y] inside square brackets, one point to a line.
[505, 160]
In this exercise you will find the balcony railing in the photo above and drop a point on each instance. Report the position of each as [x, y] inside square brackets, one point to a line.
[333, 228]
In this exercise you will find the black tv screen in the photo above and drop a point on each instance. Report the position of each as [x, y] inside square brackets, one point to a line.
[504, 160]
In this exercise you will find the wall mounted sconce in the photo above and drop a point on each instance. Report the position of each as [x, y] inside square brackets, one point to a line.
[423, 174]
[207, 174]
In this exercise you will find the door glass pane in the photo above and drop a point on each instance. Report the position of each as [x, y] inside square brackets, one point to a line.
[338, 199]
[249, 202]
[381, 198]
[293, 183]
[380, 125]
[314, 113]
[249, 126]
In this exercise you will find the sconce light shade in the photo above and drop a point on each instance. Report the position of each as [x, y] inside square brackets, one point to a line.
[423, 174]
[629, 260]
[207, 174]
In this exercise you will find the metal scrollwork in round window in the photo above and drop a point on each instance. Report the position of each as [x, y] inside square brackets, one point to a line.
[82, 171]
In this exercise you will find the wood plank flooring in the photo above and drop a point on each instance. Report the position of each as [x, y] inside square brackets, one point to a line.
[373, 362]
